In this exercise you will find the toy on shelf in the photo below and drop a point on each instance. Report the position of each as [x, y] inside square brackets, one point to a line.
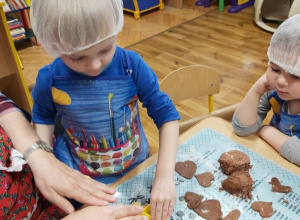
[20, 27]
[139, 6]
[207, 3]
[12, 81]
[237, 5]
[274, 10]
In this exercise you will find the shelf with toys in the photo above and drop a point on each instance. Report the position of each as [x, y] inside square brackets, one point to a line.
[16, 12]
[139, 6]
[12, 81]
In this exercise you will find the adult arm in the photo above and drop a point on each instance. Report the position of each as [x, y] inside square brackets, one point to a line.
[54, 179]
[108, 213]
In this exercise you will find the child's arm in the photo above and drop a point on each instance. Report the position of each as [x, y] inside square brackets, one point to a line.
[253, 109]
[273, 136]
[165, 116]
[262, 111]
[163, 193]
[288, 147]
[246, 112]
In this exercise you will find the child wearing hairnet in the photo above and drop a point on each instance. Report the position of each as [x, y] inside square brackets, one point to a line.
[93, 87]
[278, 89]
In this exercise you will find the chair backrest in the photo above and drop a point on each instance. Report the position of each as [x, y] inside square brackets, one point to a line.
[225, 113]
[191, 82]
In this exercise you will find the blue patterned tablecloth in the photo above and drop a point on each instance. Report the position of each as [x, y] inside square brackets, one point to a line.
[204, 149]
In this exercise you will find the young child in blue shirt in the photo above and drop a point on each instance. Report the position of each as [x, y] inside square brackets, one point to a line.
[93, 87]
[278, 89]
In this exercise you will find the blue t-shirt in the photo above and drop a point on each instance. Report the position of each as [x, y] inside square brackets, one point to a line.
[159, 106]
[77, 117]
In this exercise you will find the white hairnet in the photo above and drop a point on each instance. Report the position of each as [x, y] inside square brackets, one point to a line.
[68, 26]
[284, 49]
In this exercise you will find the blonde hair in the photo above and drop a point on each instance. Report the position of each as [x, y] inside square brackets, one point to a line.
[284, 49]
[68, 26]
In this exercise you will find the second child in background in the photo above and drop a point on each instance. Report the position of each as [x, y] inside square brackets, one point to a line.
[278, 89]
[93, 87]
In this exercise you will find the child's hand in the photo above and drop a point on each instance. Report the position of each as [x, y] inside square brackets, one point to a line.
[162, 199]
[261, 85]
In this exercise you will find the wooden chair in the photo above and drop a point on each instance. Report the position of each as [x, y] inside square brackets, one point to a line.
[192, 82]
[225, 113]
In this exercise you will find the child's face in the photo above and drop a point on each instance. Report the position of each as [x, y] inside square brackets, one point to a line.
[93, 60]
[286, 85]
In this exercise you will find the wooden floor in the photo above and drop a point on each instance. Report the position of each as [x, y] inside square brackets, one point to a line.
[230, 43]
[150, 24]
